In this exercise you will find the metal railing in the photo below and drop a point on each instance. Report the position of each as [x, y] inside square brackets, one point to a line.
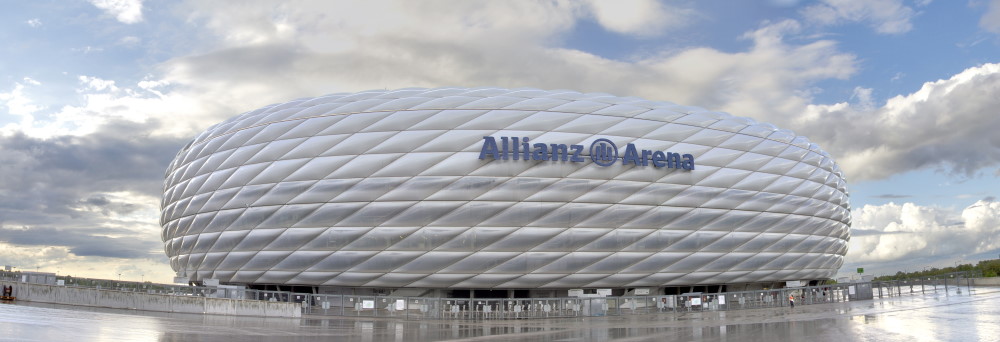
[417, 308]
[946, 284]
[420, 308]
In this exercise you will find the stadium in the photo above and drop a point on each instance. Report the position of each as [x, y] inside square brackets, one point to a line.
[492, 192]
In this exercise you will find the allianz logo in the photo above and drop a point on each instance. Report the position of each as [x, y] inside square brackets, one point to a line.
[602, 152]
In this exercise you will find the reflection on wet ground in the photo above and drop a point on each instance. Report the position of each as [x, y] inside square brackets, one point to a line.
[920, 317]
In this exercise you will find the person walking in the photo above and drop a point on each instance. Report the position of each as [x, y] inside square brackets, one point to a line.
[791, 300]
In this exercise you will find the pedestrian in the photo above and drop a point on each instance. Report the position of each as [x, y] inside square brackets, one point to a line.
[791, 300]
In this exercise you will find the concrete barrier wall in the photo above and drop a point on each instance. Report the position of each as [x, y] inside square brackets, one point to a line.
[994, 281]
[151, 302]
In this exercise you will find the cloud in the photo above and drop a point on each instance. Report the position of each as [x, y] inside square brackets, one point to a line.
[83, 242]
[34, 22]
[313, 48]
[61, 260]
[103, 101]
[894, 234]
[947, 124]
[991, 19]
[125, 11]
[643, 18]
[92, 197]
[102, 202]
[27, 258]
[110, 178]
[18, 102]
[864, 98]
[885, 16]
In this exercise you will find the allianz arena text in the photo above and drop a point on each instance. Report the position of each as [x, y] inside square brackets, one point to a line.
[490, 188]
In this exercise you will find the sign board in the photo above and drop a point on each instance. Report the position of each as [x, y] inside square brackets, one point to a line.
[575, 292]
[861, 270]
[603, 292]
[851, 290]
[793, 283]
[368, 304]
[642, 292]
[696, 301]
[602, 152]
[400, 304]
[722, 300]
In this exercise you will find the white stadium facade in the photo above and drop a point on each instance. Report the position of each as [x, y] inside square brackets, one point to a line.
[501, 192]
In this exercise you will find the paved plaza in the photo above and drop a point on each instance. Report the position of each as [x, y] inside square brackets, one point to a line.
[932, 316]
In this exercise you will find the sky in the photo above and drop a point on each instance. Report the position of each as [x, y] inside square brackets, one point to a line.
[97, 96]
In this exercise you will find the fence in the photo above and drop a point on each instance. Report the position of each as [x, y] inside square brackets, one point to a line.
[894, 288]
[413, 308]
[420, 308]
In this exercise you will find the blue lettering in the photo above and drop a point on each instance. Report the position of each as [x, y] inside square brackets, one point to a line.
[541, 152]
[659, 159]
[631, 156]
[525, 148]
[515, 145]
[504, 155]
[489, 147]
[673, 160]
[560, 152]
[577, 150]
[688, 163]
[603, 152]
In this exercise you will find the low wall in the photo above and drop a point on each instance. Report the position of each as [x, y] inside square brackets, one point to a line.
[150, 302]
[993, 281]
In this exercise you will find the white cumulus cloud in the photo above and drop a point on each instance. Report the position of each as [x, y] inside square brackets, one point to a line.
[20, 104]
[893, 234]
[125, 11]
[638, 17]
[388, 44]
[947, 124]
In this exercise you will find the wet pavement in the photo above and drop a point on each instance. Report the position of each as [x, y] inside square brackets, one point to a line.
[932, 316]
